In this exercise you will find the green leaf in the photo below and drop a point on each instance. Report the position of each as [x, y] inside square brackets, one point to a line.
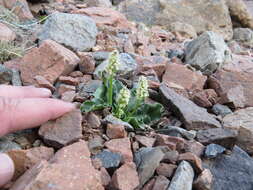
[89, 106]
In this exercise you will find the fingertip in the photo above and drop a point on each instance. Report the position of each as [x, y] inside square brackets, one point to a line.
[45, 92]
[6, 169]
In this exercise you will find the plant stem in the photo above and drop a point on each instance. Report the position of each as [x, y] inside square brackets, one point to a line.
[110, 94]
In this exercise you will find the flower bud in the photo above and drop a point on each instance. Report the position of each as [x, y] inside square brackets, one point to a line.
[123, 98]
[113, 64]
[142, 88]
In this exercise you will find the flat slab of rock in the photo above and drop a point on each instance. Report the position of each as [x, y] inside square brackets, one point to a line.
[147, 160]
[242, 121]
[224, 137]
[71, 30]
[234, 88]
[50, 60]
[193, 116]
[183, 177]
[208, 52]
[70, 169]
[234, 171]
[63, 130]
[184, 78]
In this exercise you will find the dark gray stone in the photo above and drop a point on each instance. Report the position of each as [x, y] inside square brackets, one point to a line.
[5, 74]
[207, 53]
[213, 150]
[193, 116]
[75, 31]
[233, 172]
[109, 159]
[221, 136]
[222, 110]
[147, 160]
[183, 177]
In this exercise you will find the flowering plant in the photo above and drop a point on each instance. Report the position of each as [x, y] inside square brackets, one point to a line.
[127, 105]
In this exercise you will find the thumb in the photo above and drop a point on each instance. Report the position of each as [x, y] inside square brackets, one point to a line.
[6, 169]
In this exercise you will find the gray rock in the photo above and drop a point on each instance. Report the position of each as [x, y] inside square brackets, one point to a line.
[109, 159]
[244, 36]
[127, 65]
[241, 121]
[7, 145]
[170, 130]
[222, 110]
[193, 116]
[233, 172]
[16, 80]
[5, 74]
[207, 53]
[213, 150]
[147, 160]
[113, 120]
[89, 88]
[77, 32]
[208, 14]
[100, 56]
[183, 177]
[221, 136]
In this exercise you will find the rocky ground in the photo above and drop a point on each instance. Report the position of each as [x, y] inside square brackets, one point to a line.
[197, 56]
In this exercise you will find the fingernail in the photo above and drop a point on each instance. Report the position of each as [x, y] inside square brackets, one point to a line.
[6, 169]
[46, 92]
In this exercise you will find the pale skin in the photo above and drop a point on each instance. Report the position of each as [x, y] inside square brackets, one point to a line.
[23, 108]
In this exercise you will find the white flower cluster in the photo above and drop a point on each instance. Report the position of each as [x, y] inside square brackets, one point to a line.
[123, 99]
[113, 64]
[142, 88]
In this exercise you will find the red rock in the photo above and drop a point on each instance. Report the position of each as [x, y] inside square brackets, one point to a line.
[6, 33]
[115, 131]
[170, 157]
[97, 163]
[43, 83]
[105, 177]
[65, 88]
[145, 141]
[68, 96]
[193, 159]
[63, 130]
[206, 98]
[180, 77]
[161, 183]
[19, 8]
[156, 63]
[204, 181]
[126, 177]
[234, 88]
[68, 80]
[70, 169]
[25, 159]
[76, 74]
[149, 185]
[240, 63]
[174, 143]
[122, 146]
[194, 147]
[166, 170]
[106, 17]
[85, 79]
[87, 63]
[50, 61]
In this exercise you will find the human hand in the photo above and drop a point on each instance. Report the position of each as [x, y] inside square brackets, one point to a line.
[22, 108]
